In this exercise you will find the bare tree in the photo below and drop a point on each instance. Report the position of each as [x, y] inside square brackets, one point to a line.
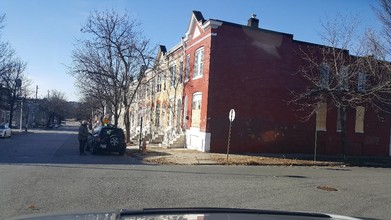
[17, 84]
[12, 75]
[384, 15]
[107, 62]
[56, 107]
[339, 79]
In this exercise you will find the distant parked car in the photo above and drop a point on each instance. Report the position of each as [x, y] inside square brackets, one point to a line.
[5, 131]
[107, 138]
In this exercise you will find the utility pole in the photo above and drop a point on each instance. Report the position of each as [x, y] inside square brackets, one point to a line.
[36, 92]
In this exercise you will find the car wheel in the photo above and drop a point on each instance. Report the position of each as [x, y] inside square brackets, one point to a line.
[114, 141]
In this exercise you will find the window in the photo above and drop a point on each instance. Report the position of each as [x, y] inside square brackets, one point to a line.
[187, 71]
[361, 81]
[344, 78]
[339, 125]
[159, 83]
[196, 110]
[157, 118]
[149, 88]
[180, 72]
[324, 76]
[321, 116]
[198, 63]
[360, 111]
[173, 75]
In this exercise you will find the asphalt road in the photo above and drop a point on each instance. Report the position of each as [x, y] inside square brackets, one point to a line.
[42, 172]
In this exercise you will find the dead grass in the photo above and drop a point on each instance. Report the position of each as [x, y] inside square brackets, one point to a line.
[257, 161]
[187, 157]
[160, 160]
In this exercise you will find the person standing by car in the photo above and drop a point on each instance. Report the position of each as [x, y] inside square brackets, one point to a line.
[83, 135]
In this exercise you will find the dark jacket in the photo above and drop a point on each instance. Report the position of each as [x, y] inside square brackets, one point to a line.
[83, 132]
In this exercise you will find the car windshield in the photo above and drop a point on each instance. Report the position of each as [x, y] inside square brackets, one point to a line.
[262, 105]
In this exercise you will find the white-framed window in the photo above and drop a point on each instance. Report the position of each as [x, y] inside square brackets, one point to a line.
[321, 116]
[360, 112]
[172, 75]
[148, 85]
[159, 83]
[324, 75]
[196, 109]
[157, 115]
[198, 63]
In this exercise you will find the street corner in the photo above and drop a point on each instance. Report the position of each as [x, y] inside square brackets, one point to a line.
[173, 156]
[18, 132]
[183, 156]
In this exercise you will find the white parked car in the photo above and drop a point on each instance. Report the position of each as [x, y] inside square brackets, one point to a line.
[5, 131]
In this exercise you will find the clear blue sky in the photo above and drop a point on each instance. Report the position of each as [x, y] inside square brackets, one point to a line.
[43, 32]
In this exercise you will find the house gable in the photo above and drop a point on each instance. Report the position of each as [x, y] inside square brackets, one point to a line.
[198, 25]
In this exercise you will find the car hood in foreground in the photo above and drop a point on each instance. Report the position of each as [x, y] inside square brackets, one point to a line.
[194, 214]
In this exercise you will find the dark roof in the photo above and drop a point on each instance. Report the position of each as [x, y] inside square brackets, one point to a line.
[248, 27]
[162, 49]
[199, 16]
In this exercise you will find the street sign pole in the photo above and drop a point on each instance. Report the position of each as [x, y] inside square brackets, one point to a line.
[231, 117]
[229, 138]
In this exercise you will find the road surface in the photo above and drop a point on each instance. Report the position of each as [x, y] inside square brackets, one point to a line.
[42, 172]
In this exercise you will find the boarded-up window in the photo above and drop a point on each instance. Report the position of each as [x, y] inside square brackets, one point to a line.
[196, 110]
[360, 111]
[321, 115]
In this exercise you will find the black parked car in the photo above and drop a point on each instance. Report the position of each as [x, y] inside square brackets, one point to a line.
[107, 138]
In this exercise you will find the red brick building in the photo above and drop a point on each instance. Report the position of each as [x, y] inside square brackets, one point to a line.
[252, 70]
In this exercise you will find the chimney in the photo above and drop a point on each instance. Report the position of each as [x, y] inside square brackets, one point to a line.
[253, 22]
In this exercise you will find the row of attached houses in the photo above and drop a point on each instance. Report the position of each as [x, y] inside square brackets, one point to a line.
[218, 66]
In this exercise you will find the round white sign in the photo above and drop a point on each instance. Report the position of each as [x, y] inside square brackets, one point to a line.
[231, 115]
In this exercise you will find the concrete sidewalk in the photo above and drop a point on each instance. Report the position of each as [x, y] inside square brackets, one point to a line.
[177, 156]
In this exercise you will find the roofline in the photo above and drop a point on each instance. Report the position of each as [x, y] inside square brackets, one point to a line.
[251, 28]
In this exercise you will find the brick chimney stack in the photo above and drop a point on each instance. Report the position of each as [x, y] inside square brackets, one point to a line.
[253, 22]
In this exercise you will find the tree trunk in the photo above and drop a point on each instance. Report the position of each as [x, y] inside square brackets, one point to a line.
[11, 114]
[12, 108]
[127, 124]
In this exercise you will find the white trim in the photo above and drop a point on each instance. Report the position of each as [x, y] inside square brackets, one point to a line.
[175, 48]
[198, 41]
[196, 32]
[198, 77]
[212, 24]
